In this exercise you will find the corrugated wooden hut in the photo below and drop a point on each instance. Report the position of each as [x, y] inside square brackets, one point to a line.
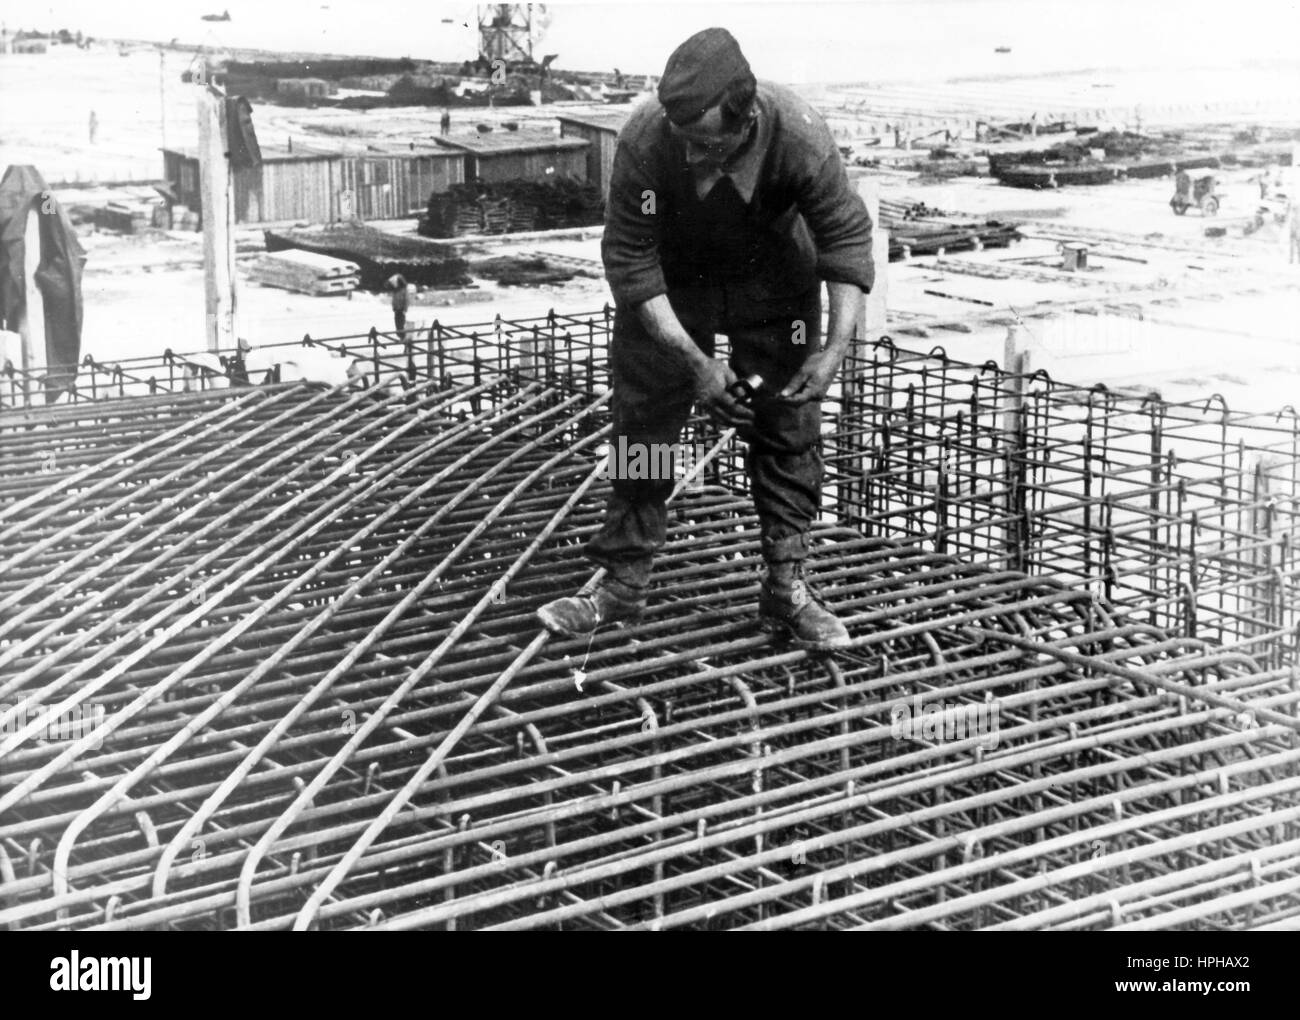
[391, 180]
[600, 131]
[315, 184]
[521, 155]
[291, 184]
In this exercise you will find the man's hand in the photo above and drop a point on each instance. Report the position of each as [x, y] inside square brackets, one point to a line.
[813, 379]
[815, 375]
[711, 381]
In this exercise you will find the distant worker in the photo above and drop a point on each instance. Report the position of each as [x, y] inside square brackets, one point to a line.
[728, 208]
[445, 122]
[401, 302]
[94, 126]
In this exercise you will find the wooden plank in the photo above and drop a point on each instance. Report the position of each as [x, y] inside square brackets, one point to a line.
[218, 249]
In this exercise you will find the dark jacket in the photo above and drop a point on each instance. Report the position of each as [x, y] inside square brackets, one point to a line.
[805, 222]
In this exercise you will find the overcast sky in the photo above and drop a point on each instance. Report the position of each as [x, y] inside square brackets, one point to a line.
[788, 41]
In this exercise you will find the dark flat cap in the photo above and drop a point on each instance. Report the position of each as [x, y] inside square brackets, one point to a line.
[698, 73]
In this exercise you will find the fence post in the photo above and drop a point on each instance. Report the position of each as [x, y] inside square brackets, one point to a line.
[869, 328]
[1016, 364]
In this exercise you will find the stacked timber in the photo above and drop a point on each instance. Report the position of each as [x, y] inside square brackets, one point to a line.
[918, 229]
[893, 212]
[916, 238]
[378, 255]
[185, 218]
[127, 217]
[468, 219]
[496, 215]
[306, 273]
[1103, 158]
[511, 207]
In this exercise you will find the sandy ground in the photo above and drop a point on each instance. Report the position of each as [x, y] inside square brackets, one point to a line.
[144, 294]
[1217, 315]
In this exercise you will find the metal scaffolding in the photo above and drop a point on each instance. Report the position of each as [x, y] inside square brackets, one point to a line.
[268, 657]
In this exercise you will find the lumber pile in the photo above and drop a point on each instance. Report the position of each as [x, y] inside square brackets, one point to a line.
[508, 207]
[918, 229]
[185, 218]
[305, 273]
[131, 217]
[378, 255]
[929, 238]
[893, 212]
[1108, 156]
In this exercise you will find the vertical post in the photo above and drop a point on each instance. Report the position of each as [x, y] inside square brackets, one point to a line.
[1016, 360]
[1264, 611]
[872, 325]
[1153, 505]
[214, 185]
[162, 93]
[31, 326]
[1016, 365]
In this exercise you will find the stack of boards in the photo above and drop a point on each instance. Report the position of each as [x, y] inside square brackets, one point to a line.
[185, 218]
[305, 272]
[130, 217]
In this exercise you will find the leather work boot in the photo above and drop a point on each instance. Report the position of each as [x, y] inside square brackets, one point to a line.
[611, 602]
[788, 607]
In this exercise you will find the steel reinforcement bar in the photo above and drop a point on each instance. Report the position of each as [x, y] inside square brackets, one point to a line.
[268, 659]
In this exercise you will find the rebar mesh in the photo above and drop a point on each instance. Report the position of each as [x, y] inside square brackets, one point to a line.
[293, 628]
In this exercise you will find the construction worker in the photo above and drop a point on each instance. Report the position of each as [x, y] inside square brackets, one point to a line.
[400, 302]
[728, 207]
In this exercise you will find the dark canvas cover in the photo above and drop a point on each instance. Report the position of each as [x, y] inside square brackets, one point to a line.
[58, 271]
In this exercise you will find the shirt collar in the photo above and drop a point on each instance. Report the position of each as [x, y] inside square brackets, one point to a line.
[744, 169]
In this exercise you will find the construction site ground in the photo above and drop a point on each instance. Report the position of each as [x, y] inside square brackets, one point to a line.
[291, 627]
[144, 293]
[1160, 305]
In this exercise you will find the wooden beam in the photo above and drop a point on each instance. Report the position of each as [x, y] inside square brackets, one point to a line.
[872, 324]
[216, 210]
[32, 325]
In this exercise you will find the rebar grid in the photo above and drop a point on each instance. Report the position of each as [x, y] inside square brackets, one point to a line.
[303, 617]
[1184, 516]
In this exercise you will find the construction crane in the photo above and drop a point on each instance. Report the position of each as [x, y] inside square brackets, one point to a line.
[508, 31]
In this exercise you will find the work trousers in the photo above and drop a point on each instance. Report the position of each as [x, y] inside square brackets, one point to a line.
[652, 400]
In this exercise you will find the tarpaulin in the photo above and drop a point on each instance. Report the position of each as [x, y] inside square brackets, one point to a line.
[241, 138]
[57, 276]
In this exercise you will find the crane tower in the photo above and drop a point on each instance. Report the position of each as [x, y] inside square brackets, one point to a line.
[508, 31]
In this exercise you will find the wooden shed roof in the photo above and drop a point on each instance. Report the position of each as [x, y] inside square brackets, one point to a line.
[303, 152]
[512, 143]
[611, 121]
[272, 153]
